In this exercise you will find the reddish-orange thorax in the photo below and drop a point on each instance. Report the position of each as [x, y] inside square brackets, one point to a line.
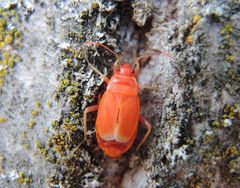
[124, 81]
[125, 70]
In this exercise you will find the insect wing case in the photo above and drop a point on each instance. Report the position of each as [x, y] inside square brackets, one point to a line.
[118, 111]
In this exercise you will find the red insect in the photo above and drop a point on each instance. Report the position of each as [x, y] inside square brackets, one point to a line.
[118, 110]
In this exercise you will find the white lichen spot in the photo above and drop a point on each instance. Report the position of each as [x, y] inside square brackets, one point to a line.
[211, 9]
[108, 7]
[90, 181]
[227, 123]
[95, 183]
[64, 62]
[6, 4]
[175, 137]
[29, 5]
[64, 45]
[137, 177]
[208, 132]
[100, 34]
[179, 153]
[237, 109]
[2, 67]
[174, 154]
[12, 175]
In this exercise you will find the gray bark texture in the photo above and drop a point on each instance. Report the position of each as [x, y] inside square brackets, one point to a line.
[189, 91]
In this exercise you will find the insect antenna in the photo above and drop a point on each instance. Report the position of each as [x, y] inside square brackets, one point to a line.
[104, 77]
[105, 47]
[116, 64]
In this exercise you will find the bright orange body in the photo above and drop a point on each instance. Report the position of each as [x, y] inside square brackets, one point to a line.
[118, 113]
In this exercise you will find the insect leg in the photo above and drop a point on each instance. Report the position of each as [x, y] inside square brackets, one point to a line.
[149, 128]
[148, 87]
[86, 111]
[99, 97]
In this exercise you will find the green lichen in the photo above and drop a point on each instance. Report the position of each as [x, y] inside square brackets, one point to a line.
[84, 13]
[24, 134]
[3, 23]
[53, 180]
[42, 149]
[3, 120]
[229, 115]
[31, 123]
[38, 104]
[228, 52]
[51, 158]
[216, 124]
[27, 146]
[39, 144]
[196, 19]
[190, 141]
[18, 34]
[227, 29]
[10, 41]
[231, 151]
[234, 165]
[24, 179]
[63, 85]
[49, 104]
[95, 5]
[35, 113]
[46, 130]
[189, 39]
[230, 58]
[70, 127]
[55, 124]
[208, 139]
